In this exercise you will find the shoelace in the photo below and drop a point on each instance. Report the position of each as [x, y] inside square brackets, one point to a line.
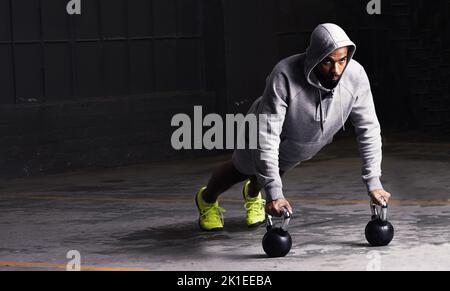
[220, 211]
[256, 206]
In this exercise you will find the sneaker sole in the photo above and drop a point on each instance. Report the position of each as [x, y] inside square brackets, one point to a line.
[198, 222]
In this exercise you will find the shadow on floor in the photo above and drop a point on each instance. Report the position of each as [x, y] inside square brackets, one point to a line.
[186, 238]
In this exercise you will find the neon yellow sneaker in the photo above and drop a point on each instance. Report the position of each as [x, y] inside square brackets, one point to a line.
[210, 215]
[256, 214]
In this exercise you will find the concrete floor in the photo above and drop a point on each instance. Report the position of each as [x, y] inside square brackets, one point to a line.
[144, 217]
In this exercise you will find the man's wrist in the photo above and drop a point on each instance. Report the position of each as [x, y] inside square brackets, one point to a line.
[373, 184]
[273, 193]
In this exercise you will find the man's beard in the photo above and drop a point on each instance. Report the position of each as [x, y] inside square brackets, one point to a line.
[329, 82]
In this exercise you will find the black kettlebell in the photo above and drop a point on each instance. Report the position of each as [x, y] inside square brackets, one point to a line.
[277, 241]
[379, 231]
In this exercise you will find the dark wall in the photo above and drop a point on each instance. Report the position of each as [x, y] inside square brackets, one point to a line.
[405, 50]
[100, 89]
[95, 133]
[115, 48]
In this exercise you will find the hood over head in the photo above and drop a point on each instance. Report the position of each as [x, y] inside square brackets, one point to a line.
[325, 39]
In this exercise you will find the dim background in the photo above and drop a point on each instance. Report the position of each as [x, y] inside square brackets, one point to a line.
[99, 90]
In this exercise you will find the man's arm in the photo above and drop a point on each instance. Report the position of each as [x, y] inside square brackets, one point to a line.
[271, 113]
[368, 131]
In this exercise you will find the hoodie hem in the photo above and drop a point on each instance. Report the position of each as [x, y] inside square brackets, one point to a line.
[373, 184]
[273, 193]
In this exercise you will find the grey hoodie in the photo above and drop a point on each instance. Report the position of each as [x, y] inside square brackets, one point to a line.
[307, 115]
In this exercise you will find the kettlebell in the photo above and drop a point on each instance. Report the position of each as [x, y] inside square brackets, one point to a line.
[277, 241]
[379, 231]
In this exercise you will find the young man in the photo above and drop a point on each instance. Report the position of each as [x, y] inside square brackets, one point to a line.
[311, 96]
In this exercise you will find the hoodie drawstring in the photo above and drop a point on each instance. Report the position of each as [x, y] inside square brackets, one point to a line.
[322, 113]
[342, 111]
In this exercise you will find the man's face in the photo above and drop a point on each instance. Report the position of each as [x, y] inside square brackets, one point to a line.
[330, 70]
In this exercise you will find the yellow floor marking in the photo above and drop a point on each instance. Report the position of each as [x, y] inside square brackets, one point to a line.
[63, 266]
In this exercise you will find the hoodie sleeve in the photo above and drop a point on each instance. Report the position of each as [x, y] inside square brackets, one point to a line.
[367, 128]
[271, 113]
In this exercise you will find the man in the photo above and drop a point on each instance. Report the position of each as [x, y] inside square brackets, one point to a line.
[311, 96]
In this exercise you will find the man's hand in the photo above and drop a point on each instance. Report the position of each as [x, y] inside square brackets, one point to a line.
[379, 197]
[274, 208]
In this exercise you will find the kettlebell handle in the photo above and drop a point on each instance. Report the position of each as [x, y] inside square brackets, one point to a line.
[284, 223]
[381, 214]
